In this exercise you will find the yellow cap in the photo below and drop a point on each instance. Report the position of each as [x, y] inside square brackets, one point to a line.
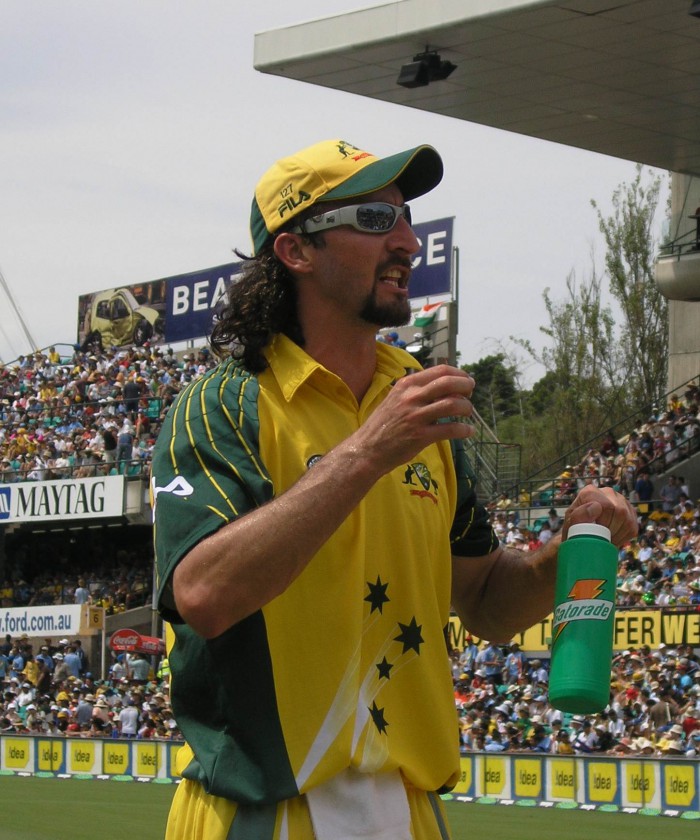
[335, 169]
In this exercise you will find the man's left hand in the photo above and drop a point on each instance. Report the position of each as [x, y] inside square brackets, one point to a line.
[603, 506]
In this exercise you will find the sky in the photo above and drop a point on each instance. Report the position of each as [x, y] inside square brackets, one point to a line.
[132, 136]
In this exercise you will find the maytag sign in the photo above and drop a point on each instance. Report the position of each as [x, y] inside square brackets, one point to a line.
[77, 498]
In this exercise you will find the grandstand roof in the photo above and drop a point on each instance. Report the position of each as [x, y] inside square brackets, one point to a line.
[618, 77]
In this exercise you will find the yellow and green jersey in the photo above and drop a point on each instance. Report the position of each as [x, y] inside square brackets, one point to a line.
[348, 666]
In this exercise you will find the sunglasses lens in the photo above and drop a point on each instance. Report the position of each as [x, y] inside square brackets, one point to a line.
[381, 217]
[376, 217]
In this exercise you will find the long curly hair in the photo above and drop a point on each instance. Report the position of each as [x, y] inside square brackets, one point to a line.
[260, 303]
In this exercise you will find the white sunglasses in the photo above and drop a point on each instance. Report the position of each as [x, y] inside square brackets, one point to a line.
[376, 217]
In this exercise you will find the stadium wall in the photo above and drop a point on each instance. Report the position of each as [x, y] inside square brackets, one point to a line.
[670, 786]
[604, 782]
[143, 759]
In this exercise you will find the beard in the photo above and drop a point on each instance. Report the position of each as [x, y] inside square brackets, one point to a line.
[395, 314]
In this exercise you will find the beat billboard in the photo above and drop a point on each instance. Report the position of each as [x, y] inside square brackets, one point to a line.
[181, 308]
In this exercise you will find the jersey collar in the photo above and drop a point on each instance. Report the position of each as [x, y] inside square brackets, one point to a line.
[292, 366]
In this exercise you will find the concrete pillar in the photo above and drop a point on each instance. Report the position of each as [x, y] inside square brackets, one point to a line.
[684, 315]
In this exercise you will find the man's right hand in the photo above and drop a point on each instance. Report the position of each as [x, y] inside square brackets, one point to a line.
[422, 408]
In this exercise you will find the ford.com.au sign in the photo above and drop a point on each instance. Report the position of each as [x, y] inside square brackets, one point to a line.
[181, 308]
[67, 499]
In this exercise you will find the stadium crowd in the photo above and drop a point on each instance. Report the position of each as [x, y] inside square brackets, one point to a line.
[659, 444]
[654, 708]
[53, 692]
[660, 568]
[99, 411]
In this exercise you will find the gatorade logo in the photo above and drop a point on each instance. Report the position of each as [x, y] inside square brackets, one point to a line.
[584, 604]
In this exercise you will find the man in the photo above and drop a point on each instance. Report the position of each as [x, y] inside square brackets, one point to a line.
[61, 670]
[72, 661]
[138, 668]
[664, 711]
[553, 520]
[309, 494]
[545, 534]
[82, 656]
[515, 664]
[128, 720]
[644, 487]
[538, 740]
[125, 445]
[17, 662]
[82, 593]
[586, 741]
[44, 656]
[83, 712]
[467, 658]
[670, 493]
[490, 660]
[562, 743]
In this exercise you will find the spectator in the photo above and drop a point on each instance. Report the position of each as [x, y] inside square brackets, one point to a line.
[129, 718]
[562, 744]
[82, 595]
[72, 662]
[644, 488]
[490, 660]
[467, 658]
[670, 494]
[138, 668]
[515, 664]
[125, 445]
[586, 740]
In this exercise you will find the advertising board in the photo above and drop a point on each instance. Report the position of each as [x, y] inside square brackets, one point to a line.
[182, 307]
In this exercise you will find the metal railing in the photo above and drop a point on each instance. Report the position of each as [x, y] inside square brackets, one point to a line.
[495, 464]
[138, 468]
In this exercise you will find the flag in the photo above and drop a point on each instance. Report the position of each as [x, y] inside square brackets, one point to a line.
[426, 314]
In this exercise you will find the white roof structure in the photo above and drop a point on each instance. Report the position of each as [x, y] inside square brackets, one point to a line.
[619, 77]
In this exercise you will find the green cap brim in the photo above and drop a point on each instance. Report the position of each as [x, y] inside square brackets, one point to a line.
[415, 172]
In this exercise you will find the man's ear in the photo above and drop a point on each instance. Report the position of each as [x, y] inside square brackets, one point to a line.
[291, 250]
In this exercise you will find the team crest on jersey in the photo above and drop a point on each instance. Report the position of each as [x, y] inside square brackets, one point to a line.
[420, 482]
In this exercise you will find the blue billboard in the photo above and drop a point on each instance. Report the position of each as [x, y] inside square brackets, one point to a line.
[181, 308]
[190, 300]
[432, 265]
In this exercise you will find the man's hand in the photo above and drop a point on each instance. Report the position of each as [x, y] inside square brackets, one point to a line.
[605, 507]
[506, 591]
[422, 408]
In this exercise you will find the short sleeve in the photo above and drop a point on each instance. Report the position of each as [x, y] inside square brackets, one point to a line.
[206, 469]
[471, 534]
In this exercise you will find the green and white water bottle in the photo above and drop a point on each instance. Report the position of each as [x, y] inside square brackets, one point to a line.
[584, 617]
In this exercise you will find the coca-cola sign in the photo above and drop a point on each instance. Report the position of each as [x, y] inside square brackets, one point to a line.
[130, 641]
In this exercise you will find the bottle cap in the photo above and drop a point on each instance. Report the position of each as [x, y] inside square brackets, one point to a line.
[589, 529]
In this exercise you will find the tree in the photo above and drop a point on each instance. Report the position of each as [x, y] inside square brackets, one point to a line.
[582, 363]
[629, 262]
[602, 366]
[495, 395]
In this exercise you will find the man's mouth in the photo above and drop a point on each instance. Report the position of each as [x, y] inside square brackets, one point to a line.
[395, 277]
